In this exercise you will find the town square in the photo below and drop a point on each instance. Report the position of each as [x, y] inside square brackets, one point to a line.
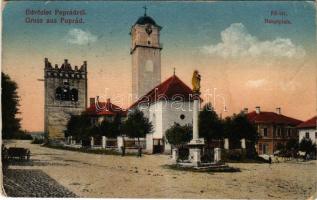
[132, 102]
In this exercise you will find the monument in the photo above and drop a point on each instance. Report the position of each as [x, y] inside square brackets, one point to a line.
[196, 144]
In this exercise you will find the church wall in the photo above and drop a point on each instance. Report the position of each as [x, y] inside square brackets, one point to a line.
[156, 119]
[172, 113]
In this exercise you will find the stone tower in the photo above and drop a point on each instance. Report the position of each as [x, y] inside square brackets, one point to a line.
[65, 95]
[146, 55]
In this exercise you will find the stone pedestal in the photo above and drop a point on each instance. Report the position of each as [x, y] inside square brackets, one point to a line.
[196, 144]
[217, 155]
[120, 142]
[92, 142]
[149, 143]
[195, 156]
[174, 155]
[243, 145]
[104, 142]
[226, 144]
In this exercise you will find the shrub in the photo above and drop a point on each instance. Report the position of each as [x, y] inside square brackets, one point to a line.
[37, 141]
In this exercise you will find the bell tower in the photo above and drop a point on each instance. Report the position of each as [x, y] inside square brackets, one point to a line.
[146, 55]
[65, 95]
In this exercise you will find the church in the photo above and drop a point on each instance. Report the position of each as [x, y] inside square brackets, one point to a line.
[168, 101]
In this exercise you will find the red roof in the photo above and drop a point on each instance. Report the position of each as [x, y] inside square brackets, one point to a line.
[311, 123]
[272, 118]
[104, 108]
[171, 88]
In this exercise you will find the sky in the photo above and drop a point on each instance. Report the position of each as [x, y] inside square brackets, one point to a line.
[243, 61]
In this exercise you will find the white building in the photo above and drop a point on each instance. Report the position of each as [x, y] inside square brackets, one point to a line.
[166, 104]
[307, 129]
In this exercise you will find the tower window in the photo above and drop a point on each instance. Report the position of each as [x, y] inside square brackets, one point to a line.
[182, 116]
[148, 42]
[58, 93]
[149, 66]
[74, 95]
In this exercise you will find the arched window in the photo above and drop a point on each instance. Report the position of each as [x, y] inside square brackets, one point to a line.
[74, 95]
[65, 94]
[58, 93]
[149, 66]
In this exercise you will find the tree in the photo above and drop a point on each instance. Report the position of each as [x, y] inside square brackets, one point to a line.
[10, 107]
[280, 147]
[178, 135]
[307, 145]
[237, 127]
[111, 129]
[137, 125]
[292, 144]
[80, 128]
[210, 126]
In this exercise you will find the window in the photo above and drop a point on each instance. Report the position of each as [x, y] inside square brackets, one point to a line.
[307, 135]
[279, 132]
[65, 94]
[74, 95]
[289, 132]
[58, 93]
[182, 116]
[265, 132]
[265, 148]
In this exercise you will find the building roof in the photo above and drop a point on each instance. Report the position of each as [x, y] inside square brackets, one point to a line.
[272, 118]
[172, 89]
[311, 123]
[145, 20]
[104, 108]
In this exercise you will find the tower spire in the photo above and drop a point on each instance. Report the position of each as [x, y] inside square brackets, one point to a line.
[145, 8]
[174, 71]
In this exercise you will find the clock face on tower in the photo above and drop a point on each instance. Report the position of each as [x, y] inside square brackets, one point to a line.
[148, 29]
[149, 66]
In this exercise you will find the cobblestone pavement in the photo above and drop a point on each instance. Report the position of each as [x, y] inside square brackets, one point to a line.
[32, 183]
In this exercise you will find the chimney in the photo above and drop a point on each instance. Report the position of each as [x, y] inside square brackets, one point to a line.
[92, 101]
[65, 61]
[245, 110]
[108, 100]
[257, 110]
[278, 110]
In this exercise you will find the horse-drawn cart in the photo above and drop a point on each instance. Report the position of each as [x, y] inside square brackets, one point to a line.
[18, 153]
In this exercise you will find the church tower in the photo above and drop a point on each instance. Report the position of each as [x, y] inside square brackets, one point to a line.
[146, 55]
[65, 95]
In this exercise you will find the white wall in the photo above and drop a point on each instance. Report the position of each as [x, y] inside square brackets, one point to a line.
[163, 115]
[312, 134]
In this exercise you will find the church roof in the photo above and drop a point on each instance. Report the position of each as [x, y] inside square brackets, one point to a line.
[272, 118]
[104, 108]
[172, 89]
[311, 123]
[145, 20]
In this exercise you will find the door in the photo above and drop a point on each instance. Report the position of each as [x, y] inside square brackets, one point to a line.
[158, 146]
